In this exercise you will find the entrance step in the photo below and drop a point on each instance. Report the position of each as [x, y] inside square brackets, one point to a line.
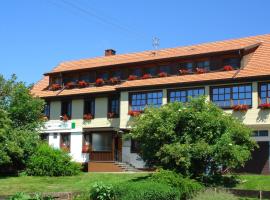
[127, 167]
[103, 167]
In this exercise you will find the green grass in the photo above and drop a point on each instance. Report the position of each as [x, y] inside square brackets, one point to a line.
[82, 182]
[254, 182]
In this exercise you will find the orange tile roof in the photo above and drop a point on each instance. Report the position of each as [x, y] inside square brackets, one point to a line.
[258, 65]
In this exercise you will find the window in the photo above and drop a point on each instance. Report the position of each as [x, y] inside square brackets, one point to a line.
[229, 96]
[138, 101]
[234, 62]
[113, 107]
[260, 133]
[117, 74]
[66, 108]
[136, 72]
[65, 141]
[89, 107]
[134, 148]
[44, 137]
[102, 142]
[103, 75]
[46, 111]
[204, 64]
[185, 94]
[151, 70]
[165, 69]
[188, 66]
[264, 93]
[84, 77]
[69, 78]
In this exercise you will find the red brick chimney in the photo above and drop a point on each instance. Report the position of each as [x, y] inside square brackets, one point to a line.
[109, 52]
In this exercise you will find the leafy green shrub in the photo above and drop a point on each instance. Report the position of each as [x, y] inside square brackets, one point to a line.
[185, 186]
[213, 195]
[20, 196]
[101, 191]
[146, 190]
[47, 161]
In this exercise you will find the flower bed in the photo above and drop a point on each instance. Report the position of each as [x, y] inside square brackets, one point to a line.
[82, 84]
[264, 106]
[162, 74]
[146, 76]
[56, 86]
[99, 82]
[132, 77]
[228, 68]
[134, 113]
[87, 116]
[241, 107]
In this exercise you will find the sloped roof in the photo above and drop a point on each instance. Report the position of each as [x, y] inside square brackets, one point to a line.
[258, 65]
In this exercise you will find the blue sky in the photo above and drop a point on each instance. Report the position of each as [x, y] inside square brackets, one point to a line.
[35, 35]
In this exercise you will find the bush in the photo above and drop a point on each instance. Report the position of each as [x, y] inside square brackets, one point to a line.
[187, 187]
[213, 195]
[146, 190]
[100, 191]
[20, 196]
[47, 161]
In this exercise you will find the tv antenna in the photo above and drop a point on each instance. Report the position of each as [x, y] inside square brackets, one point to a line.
[155, 42]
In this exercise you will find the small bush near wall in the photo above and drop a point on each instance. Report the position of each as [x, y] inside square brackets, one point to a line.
[47, 161]
[101, 191]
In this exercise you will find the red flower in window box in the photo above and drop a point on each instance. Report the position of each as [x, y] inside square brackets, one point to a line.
[114, 80]
[85, 148]
[183, 71]
[64, 118]
[146, 76]
[64, 148]
[228, 68]
[82, 84]
[87, 116]
[99, 81]
[111, 114]
[70, 85]
[264, 106]
[162, 74]
[56, 86]
[132, 77]
[200, 70]
[134, 113]
[241, 107]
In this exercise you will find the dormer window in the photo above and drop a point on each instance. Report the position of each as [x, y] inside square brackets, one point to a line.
[234, 62]
[204, 65]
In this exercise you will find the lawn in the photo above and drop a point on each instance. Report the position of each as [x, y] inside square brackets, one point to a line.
[82, 182]
[254, 182]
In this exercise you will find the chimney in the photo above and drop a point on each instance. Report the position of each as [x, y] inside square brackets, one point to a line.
[109, 52]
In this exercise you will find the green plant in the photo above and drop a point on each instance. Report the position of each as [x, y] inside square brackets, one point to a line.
[101, 191]
[146, 190]
[81, 196]
[187, 187]
[47, 161]
[214, 195]
[20, 196]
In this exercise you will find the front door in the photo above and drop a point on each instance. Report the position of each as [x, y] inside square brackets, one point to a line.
[102, 148]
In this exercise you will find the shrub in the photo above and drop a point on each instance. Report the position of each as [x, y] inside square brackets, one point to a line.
[185, 186]
[47, 161]
[101, 191]
[213, 195]
[20, 196]
[146, 190]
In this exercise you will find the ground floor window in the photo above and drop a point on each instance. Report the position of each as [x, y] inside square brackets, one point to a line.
[86, 143]
[65, 141]
[44, 137]
[101, 142]
[260, 133]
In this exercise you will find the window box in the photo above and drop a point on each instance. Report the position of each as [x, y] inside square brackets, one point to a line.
[87, 116]
[65, 148]
[132, 77]
[56, 86]
[162, 74]
[114, 80]
[228, 68]
[240, 107]
[200, 70]
[134, 113]
[70, 85]
[99, 82]
[82, 84]
[264, 106]
[146, 76]
[86, 148]
[183, 71]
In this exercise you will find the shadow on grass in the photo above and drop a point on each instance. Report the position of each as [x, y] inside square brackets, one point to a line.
[227, 181]
[141, 178]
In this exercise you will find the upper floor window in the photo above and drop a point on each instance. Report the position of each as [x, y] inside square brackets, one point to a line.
[138, 101]
[187, 66]
[260, 133]
[66, 109]
[184, 95]
[84, 77]
[137, 72]
[65, 141]
[47, 110]
[165, 69]
[113, 107]
[229, 96]
[234, 62]
[264, 93]
[89, 107]
[151, 70]
[117, 74]
[204, 65]
[103, 75]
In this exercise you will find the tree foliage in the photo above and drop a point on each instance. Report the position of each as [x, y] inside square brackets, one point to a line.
[20, 118]
[195, 138]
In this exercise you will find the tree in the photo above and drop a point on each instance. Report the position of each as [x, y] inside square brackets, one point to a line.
[195, 138]
[20, 118]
